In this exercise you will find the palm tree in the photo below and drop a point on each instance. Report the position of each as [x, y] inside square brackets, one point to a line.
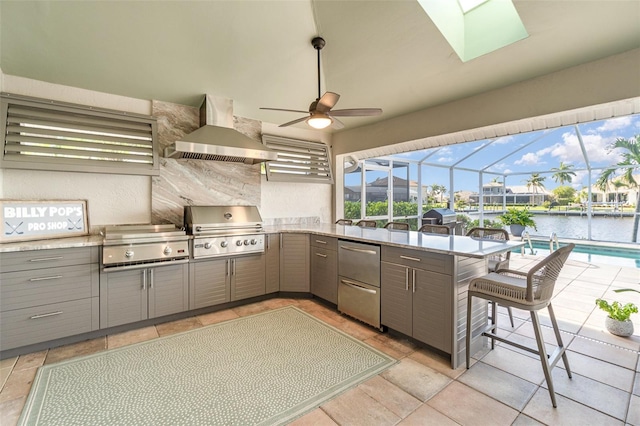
[535, 182]
[629, 164]
[563, 173]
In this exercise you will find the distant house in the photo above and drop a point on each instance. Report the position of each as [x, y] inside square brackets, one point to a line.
[616, 194]
[494, 193]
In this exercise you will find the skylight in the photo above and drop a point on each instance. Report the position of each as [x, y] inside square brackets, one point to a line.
[476, 27]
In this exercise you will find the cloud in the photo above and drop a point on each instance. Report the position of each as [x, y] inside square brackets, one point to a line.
[503, 140]
[444, 159]
[615, 124]
[528, 158]
[594, 144]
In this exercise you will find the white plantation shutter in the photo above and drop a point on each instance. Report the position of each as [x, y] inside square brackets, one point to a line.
[48, 135]
[298, 160]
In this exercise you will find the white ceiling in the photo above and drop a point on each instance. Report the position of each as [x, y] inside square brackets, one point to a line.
[385, 54]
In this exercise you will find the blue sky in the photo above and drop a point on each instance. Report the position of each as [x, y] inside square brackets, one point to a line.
[519, 156]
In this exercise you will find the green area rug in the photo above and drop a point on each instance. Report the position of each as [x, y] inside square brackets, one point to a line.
[267, 368]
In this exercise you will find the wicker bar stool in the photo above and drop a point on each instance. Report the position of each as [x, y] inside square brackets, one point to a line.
[499, 261]
[435, 229]
[364, 223]
[397, 225]
[531, 291]
[344, 222]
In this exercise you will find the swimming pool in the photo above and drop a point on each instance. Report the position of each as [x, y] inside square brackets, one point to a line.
[599, 254]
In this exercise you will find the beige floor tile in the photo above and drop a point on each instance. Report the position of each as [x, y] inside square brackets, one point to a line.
[357, 330]
[280, 303]
[601, 371]
[4, 375]
[416, 379]
[523, 366]
[600, 396]
[315, 418]
[130, 337]
[504, 387]
[568, 412]
[173, 327]
[86, 347]
[356, 408]
[439, 363]
[34, 359]
[10, 411]
[8, 362]
[18, 384]
[597, 331]
[253, 308]
[392, 346]
[608, 353]
[392, 397]
[524, 420]
[217, 317]
[427, 416]
[467, 406]
[633, 416]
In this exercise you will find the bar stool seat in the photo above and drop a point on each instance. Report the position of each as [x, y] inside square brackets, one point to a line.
[530, 291]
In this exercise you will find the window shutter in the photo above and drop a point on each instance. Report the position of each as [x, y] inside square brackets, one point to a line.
[298, 160]
[47, 135]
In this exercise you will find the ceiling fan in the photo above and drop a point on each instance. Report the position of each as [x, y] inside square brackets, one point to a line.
[320, 113]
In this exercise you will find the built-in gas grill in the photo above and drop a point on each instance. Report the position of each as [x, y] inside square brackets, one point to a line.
[224, 230]
[137, 246]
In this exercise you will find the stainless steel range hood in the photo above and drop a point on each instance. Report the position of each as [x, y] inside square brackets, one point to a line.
[217, 140]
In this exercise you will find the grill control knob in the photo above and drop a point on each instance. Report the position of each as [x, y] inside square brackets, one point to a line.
[128, 254]
[246, 242]
[224, 244]
[207, 245]
[239, 243]
[167, 251]
[254, 242]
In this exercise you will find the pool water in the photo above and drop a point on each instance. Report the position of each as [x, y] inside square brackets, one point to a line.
[603, 255]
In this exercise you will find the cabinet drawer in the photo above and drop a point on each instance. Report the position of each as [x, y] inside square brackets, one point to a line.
[27, 326]
[53, 258]
[44, 286]
[329, 243]
[436, 262]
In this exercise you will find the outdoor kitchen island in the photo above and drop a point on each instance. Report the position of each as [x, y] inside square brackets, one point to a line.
[423, 280]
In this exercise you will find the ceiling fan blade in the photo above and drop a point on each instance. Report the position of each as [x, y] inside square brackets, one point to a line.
[293, 122]
[336, 124]
[327, 101]
[286, 110]
[356, 112]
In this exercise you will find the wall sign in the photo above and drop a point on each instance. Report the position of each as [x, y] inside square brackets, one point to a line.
[35, 220]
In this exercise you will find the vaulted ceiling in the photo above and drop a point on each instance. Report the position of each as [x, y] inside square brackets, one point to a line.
[385, 54]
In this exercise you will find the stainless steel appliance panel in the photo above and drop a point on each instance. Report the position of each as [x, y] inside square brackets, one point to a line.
[359, 262]
[134, 253]
[226, 246]
[359, 300]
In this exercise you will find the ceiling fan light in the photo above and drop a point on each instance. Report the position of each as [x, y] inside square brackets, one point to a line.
[319, 121]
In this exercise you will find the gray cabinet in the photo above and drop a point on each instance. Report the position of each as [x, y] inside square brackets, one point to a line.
[416, 295]
[220, 280]
[132, 295]
[272, 263]
[47, 295]
[294, 262]
[324, 268]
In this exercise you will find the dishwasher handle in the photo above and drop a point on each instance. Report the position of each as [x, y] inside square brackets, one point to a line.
[356, 286]
[359, 250]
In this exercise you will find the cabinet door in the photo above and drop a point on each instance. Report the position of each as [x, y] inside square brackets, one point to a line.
[272, 260]
[432, 309]
[247, 277]
[123, 297]
[294, 262]
[324, 274]
[395, 297]
[168, 290]
[209, 283]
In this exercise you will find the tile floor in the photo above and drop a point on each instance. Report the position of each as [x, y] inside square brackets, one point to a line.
[503, 387]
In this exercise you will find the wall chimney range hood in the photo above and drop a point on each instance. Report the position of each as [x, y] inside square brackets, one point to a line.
[217, 140]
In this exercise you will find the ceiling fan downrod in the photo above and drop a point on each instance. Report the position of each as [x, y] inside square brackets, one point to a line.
[318, 43]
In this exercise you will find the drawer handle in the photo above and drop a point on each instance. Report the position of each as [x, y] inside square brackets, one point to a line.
[50, 314]
[357, 287]
[53, 277]
[358, 250]
[321, 242]
[415, 259]
[321, 255]
[46, 259]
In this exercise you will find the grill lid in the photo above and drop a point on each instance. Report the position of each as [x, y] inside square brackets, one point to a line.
[209, 220]
[443, 216]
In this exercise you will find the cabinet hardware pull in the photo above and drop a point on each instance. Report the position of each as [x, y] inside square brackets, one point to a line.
[50, 314]
[46, 259]
[53, 277]
[144, 279]
[414, 280]
[415, 259]
[358, 250]
[268, 241]
[357, 287]
[150, 278]
[321, 242]
[406, 279]
[234, 266]
[321, 255]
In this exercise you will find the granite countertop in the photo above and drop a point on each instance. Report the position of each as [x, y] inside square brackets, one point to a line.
[56, 243]
[445, 244]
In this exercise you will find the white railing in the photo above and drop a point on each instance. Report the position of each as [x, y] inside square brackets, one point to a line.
[553, 238]
[527, 238]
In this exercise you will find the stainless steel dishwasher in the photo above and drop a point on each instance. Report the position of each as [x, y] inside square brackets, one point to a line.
[359, 281]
